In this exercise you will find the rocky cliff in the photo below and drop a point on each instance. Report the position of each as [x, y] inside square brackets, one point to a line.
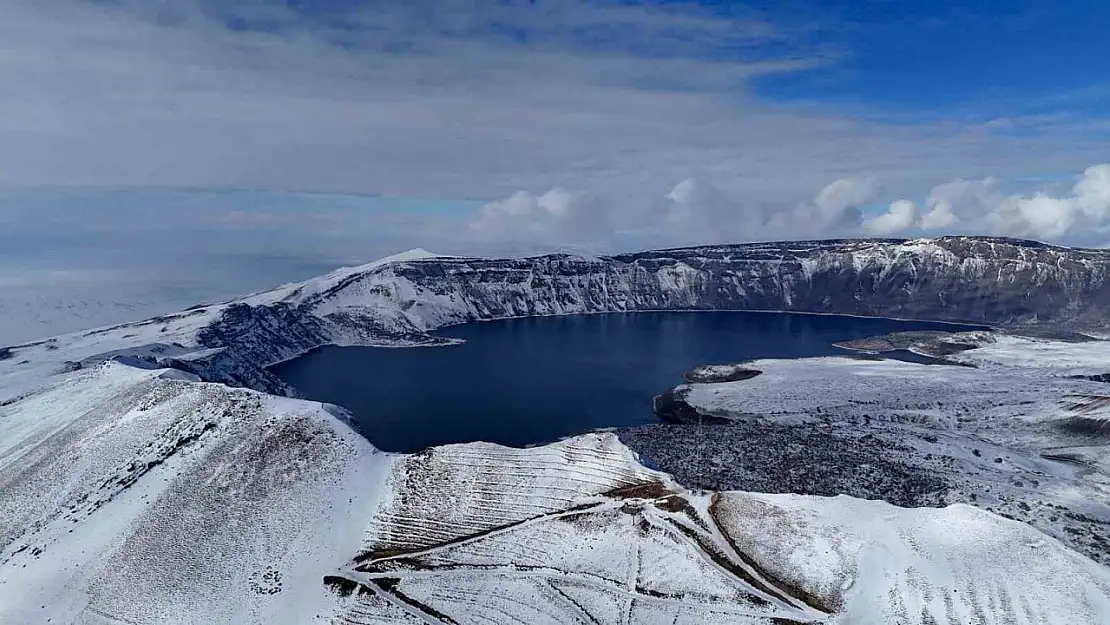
[397, 301]
[991, 281]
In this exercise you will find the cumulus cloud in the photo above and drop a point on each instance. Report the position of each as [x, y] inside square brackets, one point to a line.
[693, 211]
[969, 198]
[1086, 209]
[939, 217]
[984, 207]
[901, 215]
[844, 195]
[696, 211]
[559, 215]
[1093, 189]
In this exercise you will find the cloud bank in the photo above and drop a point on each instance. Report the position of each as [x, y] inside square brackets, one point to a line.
[558, 215]
[982, 206]
[694, 211]
[72, 259]
[691, 212]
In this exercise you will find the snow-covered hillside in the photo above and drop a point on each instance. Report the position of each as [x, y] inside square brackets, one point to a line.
[576, 532]
[142, 496]
[135, 496]
[148, 489]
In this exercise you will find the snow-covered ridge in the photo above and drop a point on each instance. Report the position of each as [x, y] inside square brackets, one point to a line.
[994, 282]
[397, 300]
[135, 496]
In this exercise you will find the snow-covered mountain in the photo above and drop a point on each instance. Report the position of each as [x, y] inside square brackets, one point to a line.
[397, 300]
[988, 281]
[138, 486]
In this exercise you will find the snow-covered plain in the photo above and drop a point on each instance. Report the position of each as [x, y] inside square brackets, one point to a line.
[133, 492]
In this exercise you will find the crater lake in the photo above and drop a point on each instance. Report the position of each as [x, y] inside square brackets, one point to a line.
[526, 381]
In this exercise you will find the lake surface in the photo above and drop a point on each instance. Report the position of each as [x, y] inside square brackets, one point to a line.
[524, 381]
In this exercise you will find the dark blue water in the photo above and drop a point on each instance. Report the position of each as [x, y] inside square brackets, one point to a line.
[524, 381]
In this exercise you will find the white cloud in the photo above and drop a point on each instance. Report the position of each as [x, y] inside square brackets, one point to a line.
[1085, 210]
[952, 202]
[691, 212]
[901, 215]
[558, 216]
[700, 212]
[1092, 192]
[695, 211]
[939, 217]
[845, 194]
[1081, 213]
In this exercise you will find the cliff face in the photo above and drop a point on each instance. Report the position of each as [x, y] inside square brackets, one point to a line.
[979, 280]
[991, 281]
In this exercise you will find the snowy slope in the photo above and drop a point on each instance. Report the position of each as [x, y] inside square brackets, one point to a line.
[140, 511]
[131, 495]
[880, 564]
[586, 536]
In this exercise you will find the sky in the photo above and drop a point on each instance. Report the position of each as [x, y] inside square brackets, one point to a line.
[156, 153]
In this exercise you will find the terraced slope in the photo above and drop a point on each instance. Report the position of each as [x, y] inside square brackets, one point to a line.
[587, 536]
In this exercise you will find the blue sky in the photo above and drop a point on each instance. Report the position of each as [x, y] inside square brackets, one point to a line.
[995, 58]
[291, 136]
[984, 59]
